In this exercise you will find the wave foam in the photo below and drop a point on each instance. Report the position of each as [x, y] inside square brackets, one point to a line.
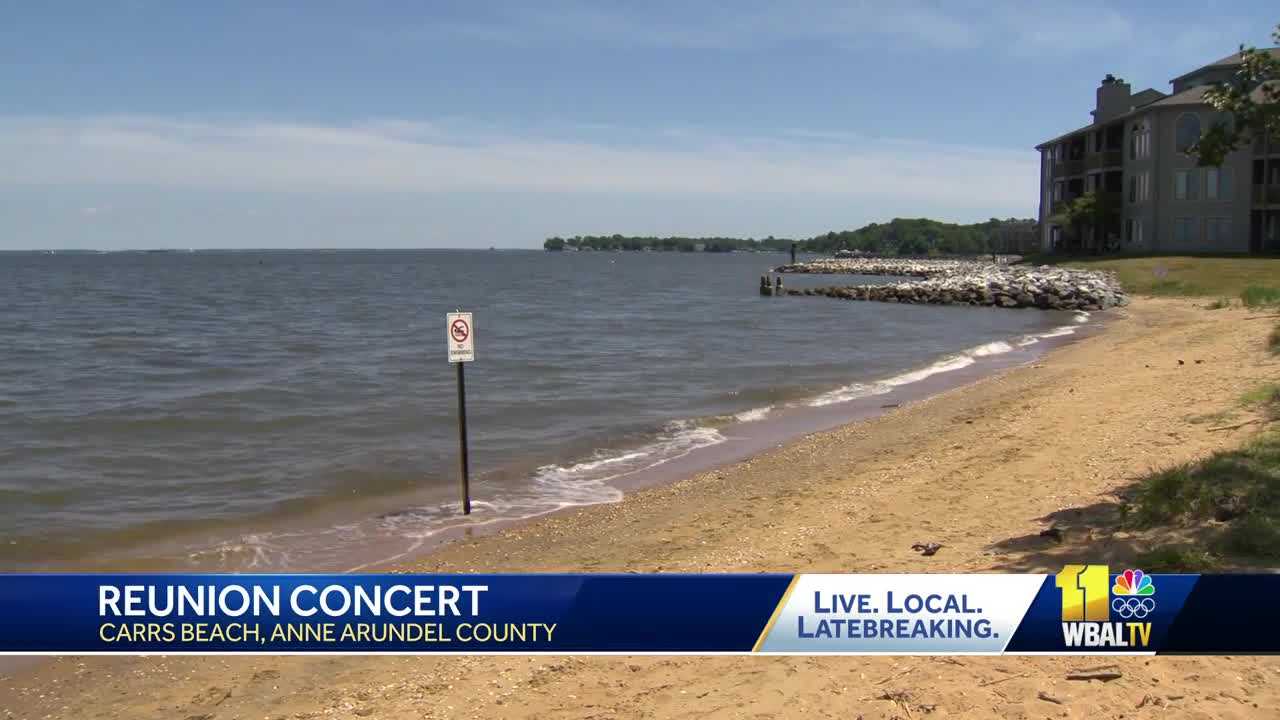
[992, 348]
[753, 414]
[880, 387]
[947, 364]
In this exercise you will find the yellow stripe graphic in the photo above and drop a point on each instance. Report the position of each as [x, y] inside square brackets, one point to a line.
[776, 612]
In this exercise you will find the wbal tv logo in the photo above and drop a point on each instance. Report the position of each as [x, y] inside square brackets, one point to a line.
[1099, 614]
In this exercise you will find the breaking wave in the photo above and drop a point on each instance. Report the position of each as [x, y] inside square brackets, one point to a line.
[753, 414]
[960, 360]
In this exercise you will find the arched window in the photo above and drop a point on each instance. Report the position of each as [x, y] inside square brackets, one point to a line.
[1188, 131]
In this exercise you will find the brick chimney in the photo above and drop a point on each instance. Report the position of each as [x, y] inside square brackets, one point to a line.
[1114, 99]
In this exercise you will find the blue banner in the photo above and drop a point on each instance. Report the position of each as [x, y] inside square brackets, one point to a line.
[1082, 609]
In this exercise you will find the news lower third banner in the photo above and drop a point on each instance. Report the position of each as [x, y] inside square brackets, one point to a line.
[1082, 609]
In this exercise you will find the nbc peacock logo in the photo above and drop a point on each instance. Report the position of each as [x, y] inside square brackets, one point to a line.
[1092, 603]
[1131, 595]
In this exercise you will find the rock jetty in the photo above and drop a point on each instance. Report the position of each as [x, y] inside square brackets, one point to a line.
[966, 282]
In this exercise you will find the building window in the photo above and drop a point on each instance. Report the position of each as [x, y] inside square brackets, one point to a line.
[1187, 132]
[1217, 183]
[1186, 185]
[1140, 141]
[1144, 186]
[1133, 232]
[1140, 187]
[1184, 230]
[1217, 230]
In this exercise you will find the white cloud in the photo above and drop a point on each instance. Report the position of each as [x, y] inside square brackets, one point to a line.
[1018, 27]
[410, 157]
[735, 25]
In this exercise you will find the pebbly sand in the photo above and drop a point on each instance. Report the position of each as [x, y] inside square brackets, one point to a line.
[981, 469]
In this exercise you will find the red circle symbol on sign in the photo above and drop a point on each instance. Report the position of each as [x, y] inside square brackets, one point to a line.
[459, 330]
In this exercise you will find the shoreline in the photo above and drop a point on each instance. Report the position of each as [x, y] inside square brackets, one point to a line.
[980, 468]
[804, 420]
[747, 439]
[719, 441]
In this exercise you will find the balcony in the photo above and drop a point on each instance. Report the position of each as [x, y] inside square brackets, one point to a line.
[1266, 194]
[1263, 147]
[1064, 168]
[1106, 158]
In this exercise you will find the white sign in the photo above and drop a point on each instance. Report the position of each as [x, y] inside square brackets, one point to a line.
[461, 336]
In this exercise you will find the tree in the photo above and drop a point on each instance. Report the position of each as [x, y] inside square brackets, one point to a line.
[1251, 101]
[1090, 210]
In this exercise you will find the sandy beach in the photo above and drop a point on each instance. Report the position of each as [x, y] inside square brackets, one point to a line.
[981, 469]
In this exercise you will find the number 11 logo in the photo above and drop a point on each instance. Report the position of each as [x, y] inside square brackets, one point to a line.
[1086, 593]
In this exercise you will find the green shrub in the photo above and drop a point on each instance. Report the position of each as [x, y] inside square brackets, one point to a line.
[1254, 536]
[1258, 295]
[1177, 559]
[1265, 398]
[1232, 497]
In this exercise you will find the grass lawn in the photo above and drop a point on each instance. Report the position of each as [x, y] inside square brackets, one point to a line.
[1233, 496]
[1186, 275]
[1229, 502]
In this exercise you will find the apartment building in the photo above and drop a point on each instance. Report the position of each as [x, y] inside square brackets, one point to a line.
[1134, 155]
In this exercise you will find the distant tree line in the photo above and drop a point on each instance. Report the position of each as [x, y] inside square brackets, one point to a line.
[666, 244]
[901, 236]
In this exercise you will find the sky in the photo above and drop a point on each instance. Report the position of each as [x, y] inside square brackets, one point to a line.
[476, 124]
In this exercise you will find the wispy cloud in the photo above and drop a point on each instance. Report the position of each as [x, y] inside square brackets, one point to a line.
[412, 157]
[1018, 27]
[713, 26]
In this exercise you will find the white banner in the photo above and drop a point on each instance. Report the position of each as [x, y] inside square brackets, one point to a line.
[900, 614]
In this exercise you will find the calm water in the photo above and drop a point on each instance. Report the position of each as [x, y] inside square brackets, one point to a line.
[295, 409]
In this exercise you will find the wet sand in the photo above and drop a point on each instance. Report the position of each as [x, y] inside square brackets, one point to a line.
[981, 469]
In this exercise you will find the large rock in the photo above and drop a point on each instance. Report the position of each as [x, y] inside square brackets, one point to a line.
[971, 281]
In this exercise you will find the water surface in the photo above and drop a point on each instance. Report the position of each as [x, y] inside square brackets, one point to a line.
[268, 410]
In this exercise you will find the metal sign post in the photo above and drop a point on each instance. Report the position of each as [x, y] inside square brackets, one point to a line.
[460, 335]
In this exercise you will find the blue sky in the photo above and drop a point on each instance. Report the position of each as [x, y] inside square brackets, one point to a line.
[471, 124]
